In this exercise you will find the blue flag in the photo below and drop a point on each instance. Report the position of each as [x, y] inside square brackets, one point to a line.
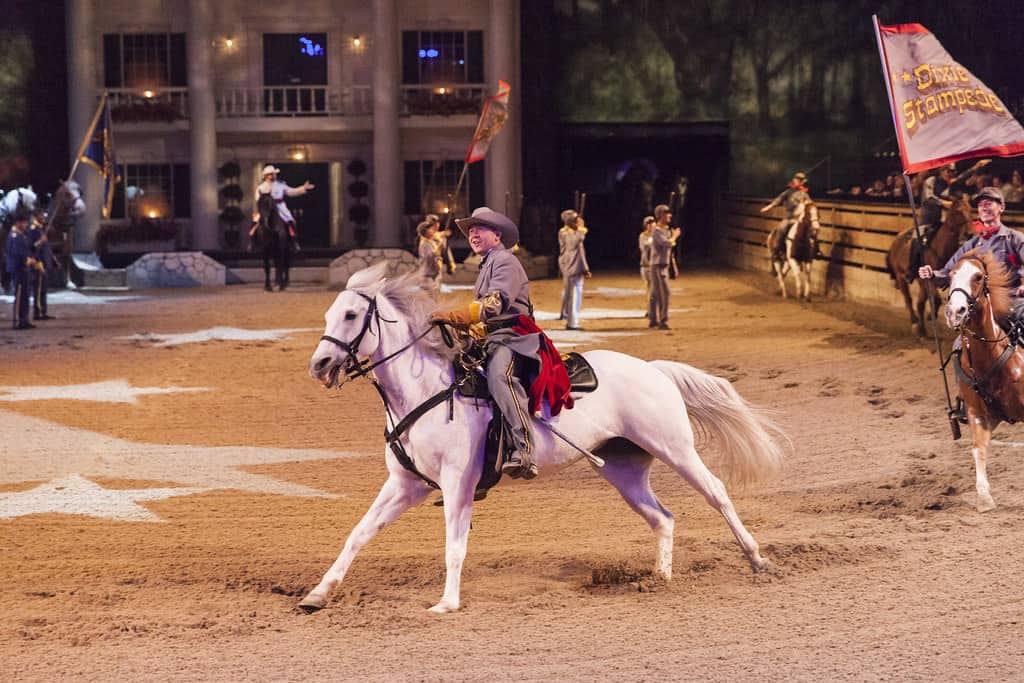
[98, 151]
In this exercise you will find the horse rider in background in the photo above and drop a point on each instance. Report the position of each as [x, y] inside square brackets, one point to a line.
[278, 191]
[663, 241]
[789, 199]
[572, 263]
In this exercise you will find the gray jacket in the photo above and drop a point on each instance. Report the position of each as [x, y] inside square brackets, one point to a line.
[572, 256]
[503, 291]
[661, 247]
[1006, 245]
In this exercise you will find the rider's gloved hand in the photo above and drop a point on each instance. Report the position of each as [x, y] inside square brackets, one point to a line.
[925, 272]
[457, 317]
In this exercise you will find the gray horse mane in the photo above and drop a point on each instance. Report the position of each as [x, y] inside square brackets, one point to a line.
[411, 301]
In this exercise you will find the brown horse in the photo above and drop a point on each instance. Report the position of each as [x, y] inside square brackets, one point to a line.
[990, 364]
[938, 249]
[799, 250]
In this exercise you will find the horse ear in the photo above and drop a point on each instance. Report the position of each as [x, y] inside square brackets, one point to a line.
[368, 281]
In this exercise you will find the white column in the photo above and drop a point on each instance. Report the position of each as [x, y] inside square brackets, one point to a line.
[502, 62]
[82, 103]
[387, 162]
[337, 183]
[202, 112]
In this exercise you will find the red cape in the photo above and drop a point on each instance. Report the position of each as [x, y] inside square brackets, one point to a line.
[552, 381]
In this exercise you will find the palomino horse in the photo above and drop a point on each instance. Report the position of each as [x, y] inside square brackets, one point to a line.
[799, 251]
[990, 365]
[641, 406]
[270, 237]
[939, 248]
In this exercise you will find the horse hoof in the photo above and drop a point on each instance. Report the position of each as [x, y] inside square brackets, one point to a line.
[312, 603]
[443, 607]
[760, 565]
[986, 505]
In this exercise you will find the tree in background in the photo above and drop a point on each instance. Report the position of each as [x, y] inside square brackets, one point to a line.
[16, 58]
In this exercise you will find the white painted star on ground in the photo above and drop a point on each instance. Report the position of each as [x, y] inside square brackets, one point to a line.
[615, 291]
[112, 391]
[589, 313]
[219, 333]
[38, 450]
[74, 495]
[567, 339]
[67, 297]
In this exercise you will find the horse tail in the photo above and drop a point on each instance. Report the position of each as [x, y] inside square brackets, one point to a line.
[752, 446]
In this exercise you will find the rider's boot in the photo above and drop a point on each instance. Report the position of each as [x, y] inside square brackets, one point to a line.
[516, 466]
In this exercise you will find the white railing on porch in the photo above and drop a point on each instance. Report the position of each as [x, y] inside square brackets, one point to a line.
[294, 100]
[140, 105]
[443, 100]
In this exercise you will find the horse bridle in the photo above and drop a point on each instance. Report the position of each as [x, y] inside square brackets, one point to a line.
[359, 368]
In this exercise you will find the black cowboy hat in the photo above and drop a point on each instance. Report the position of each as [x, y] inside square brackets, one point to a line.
[992, 193]
[489, 218]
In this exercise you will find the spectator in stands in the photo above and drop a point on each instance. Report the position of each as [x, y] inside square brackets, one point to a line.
[877, 189]
[855, 191]
[1013, 190]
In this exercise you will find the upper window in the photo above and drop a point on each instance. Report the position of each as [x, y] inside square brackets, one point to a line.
[294, 59]
[442, 57]
[144, 60]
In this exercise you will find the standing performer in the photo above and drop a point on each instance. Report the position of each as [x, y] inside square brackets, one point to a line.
[511, 338]
[278, 191]
[19, 261]
[43, 254]
[572, 263]
[663, 239]
[441, 236]
[429, 255]
[645, 240]
[790, 199]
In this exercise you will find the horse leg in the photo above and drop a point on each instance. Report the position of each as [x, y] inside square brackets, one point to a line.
[457, 487]
[630, 473]
[780, 275]
[981, 433]
[266, 270]
[798, 277]
[398, 494]
[690, 467]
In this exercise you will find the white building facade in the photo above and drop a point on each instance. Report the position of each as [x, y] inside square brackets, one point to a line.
[375, 102]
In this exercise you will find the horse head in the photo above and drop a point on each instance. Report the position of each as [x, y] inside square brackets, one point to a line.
[977, 282]
[958, 218]
[70, 194]
[352, 328]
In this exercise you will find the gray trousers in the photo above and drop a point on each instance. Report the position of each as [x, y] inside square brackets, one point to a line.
[509, 395]
[658, 309]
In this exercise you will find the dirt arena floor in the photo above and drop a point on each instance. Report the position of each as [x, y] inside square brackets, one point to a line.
[151, 534]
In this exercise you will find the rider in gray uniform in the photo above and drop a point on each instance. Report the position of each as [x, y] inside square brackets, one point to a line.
[502, 296]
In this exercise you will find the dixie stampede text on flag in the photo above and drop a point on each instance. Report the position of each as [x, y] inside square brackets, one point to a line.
[942, 112]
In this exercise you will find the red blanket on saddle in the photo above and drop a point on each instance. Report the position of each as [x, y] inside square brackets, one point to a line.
[552, 380]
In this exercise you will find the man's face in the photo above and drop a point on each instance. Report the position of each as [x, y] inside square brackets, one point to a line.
[990, 211]
[665, 219]
[482, 239]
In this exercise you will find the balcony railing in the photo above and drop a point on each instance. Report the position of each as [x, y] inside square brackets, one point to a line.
[145, 105]
[294, 100]
[443, 100]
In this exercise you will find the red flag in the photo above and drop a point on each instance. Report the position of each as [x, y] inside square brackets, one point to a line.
[942, 112]
[491, 121]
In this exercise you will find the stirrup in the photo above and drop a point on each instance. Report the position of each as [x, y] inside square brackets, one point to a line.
[957, 412]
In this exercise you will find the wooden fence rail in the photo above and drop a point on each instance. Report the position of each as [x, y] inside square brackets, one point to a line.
[854, 238]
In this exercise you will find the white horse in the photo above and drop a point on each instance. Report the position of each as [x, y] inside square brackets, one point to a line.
[801, 244]
[640, 404]
[22, 197]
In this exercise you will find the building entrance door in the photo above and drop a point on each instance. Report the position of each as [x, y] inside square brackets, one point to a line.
[312, 210]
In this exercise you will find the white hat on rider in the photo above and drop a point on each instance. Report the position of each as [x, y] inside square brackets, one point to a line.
[270, 169]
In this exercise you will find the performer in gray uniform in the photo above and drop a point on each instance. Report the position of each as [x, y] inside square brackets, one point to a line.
[644, 242]
[502, 296]
[572, 263]
[663, 239]
[429, 255]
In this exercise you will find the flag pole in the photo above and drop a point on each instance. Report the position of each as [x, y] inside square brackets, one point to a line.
[927, 284]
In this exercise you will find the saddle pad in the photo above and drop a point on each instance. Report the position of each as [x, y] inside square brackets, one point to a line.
[581, 376]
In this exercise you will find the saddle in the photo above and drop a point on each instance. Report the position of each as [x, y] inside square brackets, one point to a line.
[474, 385]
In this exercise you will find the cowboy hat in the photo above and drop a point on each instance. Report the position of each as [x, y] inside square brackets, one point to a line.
[492, 220]
[269, 169]
[988, 193]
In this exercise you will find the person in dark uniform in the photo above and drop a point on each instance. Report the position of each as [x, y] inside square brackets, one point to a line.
[42, 253]
[502, 301]
[19, 261]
